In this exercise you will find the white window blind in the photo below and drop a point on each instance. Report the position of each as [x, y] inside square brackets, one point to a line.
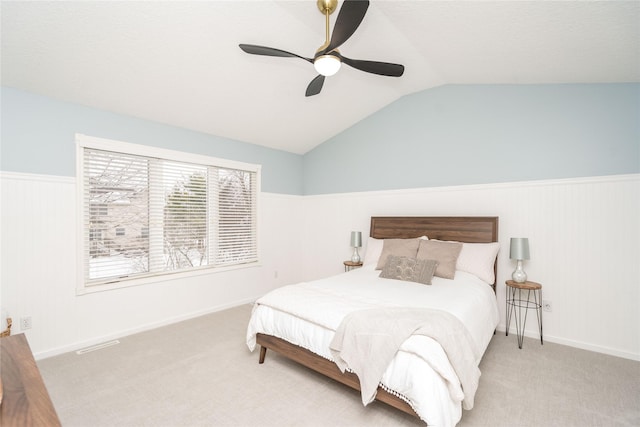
[144, 216]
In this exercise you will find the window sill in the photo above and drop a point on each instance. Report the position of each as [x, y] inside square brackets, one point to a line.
[127, 283]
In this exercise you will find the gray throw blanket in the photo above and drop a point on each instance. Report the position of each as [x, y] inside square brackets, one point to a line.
[367, 340]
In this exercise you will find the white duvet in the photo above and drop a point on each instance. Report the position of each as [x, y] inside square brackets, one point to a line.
[307, 314]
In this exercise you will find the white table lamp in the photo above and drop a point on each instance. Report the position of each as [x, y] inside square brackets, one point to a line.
[519, 251]
[356, 242]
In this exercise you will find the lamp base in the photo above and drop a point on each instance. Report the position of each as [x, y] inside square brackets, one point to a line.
[518, 274]
[356, 256]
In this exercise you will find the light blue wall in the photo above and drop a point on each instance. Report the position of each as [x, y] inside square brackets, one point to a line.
[451, 135]
[38, 135]
[472, 134]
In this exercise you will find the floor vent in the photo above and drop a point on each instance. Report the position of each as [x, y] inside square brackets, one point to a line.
[98, 347]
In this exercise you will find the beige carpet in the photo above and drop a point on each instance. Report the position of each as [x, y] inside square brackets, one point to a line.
[200, 373]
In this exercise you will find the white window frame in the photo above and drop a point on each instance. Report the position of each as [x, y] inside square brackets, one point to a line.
[85, 141]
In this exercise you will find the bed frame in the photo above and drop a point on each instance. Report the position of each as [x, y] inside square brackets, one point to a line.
[462, 229]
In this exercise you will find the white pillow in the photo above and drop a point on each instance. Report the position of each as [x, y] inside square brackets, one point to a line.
[478, 259]
[373, 251]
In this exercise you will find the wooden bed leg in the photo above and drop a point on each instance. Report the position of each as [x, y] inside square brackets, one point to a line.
[263, 353]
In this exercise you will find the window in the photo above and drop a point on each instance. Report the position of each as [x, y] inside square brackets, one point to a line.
[149, 212]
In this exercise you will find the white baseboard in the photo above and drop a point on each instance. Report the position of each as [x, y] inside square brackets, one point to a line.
[573, 343]
[123, 333]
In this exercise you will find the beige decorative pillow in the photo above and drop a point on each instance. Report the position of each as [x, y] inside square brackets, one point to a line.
[398, 247]
[445, 253]
[409, 269]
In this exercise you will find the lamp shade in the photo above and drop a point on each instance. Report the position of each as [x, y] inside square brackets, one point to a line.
[519, 248]
[356, 239]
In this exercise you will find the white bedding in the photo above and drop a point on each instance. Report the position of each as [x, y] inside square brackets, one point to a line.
[308, 314]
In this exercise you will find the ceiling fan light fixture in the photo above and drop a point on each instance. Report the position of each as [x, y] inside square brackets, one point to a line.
[327, 59]
[327, 65]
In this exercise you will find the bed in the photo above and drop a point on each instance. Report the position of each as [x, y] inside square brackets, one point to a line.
[300, 321]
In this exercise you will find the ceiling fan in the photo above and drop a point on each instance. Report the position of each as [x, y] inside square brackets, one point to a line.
[327, 59]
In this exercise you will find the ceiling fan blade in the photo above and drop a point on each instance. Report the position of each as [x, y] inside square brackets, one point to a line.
[315, 86]
[269, 51]
[349, 18]
[375, 67]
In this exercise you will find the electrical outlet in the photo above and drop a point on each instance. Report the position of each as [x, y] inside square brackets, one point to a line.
[25, 323]
[546, 306]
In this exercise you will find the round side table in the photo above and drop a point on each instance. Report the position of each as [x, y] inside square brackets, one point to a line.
[519, 301]
[350, 265]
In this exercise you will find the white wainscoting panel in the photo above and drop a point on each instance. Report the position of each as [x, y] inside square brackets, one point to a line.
[39, 271]
[584, 237]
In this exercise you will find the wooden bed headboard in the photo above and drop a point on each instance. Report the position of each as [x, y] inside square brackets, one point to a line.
[470, 229]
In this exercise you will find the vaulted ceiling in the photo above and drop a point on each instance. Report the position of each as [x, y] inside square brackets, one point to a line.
[178, 62]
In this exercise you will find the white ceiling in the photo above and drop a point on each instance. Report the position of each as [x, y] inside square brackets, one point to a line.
[178, 62]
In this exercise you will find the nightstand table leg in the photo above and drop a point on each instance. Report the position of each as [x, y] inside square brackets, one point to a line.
[518, 307]
[537, 298]
[510, 307]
